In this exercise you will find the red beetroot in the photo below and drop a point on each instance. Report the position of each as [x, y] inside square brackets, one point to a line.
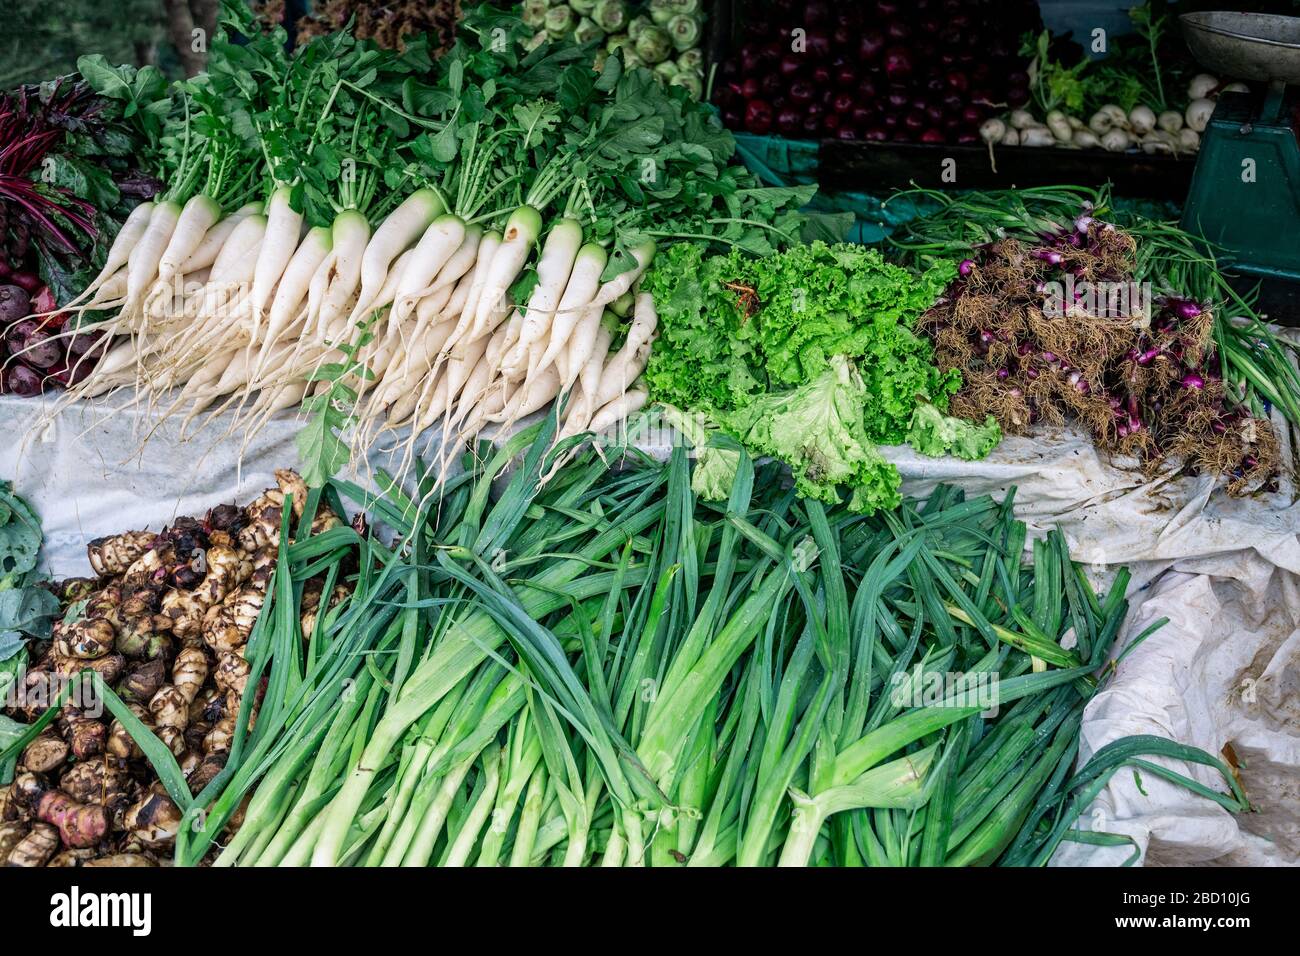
[27, 281]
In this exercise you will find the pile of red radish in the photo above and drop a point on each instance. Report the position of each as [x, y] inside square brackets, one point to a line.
[913, 71]
[33, 355]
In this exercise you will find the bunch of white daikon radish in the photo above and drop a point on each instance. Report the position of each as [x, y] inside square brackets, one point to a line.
[253, 311]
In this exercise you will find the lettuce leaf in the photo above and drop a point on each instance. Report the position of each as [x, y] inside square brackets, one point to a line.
[818, 429]
[733, 327]
[935, 434]
[715, 467]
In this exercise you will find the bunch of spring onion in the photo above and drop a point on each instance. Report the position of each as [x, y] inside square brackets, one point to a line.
[601, 670]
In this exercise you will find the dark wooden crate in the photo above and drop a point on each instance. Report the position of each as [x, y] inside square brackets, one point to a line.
[860, 166]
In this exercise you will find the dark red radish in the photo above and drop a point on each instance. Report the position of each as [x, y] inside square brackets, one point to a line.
[871, 44]
[28, 281]
[22, 381]
[898, 63]
[758, 117]
[15, 304]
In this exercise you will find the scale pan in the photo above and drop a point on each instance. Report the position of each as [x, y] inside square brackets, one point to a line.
[1248, 46]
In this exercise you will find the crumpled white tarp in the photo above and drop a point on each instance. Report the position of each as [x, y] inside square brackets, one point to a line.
[1224, 671]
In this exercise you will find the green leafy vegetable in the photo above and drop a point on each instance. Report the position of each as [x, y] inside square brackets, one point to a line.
[20, 535]
[732, 327]
[935, 434]
[26, 609]
[820, 431]
[715, 465]
[807, 354]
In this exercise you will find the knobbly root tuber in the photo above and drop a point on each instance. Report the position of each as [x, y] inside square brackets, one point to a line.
[112, 555]
[207, 770]
[11, 834]
[36, 848]
[86, 639]
[122, 860]
[142, 681]
[66, 858]
[164, 623]
[169, 708]
[120, 743]
[189, 672]
[86, 737]
[96, 781]
[80, 825]
[220, 736]
[154, 821]
[44, 753]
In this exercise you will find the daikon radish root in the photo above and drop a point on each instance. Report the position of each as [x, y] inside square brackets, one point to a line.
[195, 221]
[501, 344]
[431, 307]
[630, 360]
[410, 367]
[283, 228]
[455, 307]
[583, 284]
[214, 240]
[534, 393]
[491, 402]
[487, 250]
[351, 240]
[622, 283]
[293, 288]
[450, 288]
[521, 232]
[460, 264]
[618, 410]
[582, 342]
[441, 239]
[403, 227]
[142, 262]
[584, 405]
[554, 266]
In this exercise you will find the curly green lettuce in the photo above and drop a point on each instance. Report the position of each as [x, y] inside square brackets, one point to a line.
[734, 327]
[715, 468]
[935, 434]
[820, 300]
[818, 429]
[699, 362]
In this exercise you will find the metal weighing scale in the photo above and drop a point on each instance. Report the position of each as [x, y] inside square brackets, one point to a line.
[1245, 192]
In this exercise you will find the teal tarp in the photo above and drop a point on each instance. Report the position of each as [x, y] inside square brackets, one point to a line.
[791, 162]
